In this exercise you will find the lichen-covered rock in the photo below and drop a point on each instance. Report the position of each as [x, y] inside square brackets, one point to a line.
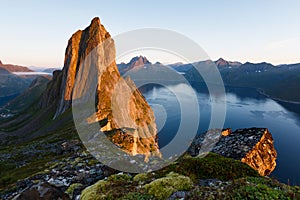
[95, 192]
[141, 178]
[162, 188]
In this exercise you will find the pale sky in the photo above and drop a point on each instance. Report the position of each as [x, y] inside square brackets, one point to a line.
[35, 33]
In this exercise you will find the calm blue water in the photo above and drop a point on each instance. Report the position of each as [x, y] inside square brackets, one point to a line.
[245, 108]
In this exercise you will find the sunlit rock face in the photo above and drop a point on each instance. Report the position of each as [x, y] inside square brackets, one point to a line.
[226, 132]
[262, 156]
[90, 63]
[252, 146]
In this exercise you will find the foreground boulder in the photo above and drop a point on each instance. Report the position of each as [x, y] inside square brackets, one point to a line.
[253, 146]
[42, 191]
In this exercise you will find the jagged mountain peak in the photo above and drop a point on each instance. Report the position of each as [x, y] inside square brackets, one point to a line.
[90, 59]
[221, 62]
[95, 21]
[1, 62]
[139, 61]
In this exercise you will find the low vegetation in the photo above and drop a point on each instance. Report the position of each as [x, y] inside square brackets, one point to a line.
[226, 178]
[163, 187]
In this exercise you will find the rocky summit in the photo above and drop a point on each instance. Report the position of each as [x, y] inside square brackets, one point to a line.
[135, 64]
[253, 146]
[120, 107]
[138, 61]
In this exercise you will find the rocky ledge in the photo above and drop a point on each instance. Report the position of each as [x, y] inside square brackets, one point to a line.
[253, 146]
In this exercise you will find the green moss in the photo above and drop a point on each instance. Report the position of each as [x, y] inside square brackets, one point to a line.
[116, 186]
[141, 178]
[246, 188]
[211, 166]
[258, 191]
[95, 192]
[119, 178]
[71, 189]
[162, 188]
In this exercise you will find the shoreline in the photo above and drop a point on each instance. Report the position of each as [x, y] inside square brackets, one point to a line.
[260, 91]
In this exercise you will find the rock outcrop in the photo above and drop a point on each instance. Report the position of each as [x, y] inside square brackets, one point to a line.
[262, 156]
[90, 63]
[252, 146]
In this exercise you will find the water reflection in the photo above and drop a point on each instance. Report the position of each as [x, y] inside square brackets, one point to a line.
[245, 108]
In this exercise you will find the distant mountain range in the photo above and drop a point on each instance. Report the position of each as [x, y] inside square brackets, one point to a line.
[280, 82]
[276, 81]
[14, 68]
[15, 80]
[11, 84]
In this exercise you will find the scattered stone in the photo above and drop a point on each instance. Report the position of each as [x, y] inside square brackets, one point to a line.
[178, 195]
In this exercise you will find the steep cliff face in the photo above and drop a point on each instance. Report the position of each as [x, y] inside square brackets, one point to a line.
[90, 62]
[252, 146]
[79, 46]
[52, 93]
[262, 156]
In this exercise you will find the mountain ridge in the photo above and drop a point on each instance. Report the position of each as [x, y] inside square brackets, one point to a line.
[14, 68]
[279, 82]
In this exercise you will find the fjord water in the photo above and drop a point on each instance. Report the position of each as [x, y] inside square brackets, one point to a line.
[245, 108]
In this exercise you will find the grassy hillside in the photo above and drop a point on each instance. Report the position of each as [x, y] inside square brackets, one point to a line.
[30, 155]
[30, 96]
